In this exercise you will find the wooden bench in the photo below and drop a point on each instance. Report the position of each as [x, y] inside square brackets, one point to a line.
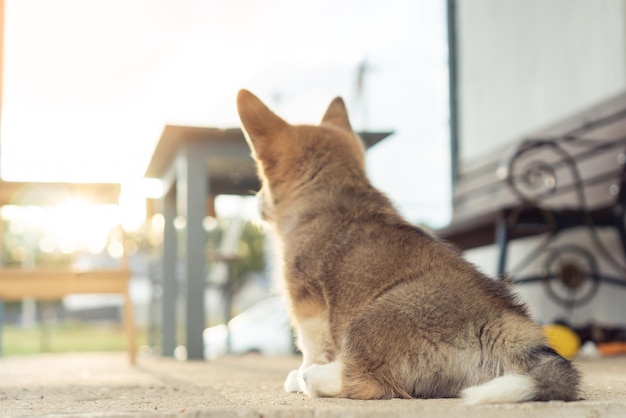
[52, 283]
[570, 175]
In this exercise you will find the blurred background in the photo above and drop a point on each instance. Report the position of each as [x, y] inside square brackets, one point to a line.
[88, 87]
[92, 89]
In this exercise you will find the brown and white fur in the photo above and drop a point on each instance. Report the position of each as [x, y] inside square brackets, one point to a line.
[381, 308]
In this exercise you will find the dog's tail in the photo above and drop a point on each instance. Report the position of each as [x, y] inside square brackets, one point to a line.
[544, 376]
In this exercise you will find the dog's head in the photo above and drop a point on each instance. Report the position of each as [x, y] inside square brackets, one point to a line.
[294, 159]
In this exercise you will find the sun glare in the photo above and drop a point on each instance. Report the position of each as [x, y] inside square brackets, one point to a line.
[133, 201]
[80, 226]
[77, 226]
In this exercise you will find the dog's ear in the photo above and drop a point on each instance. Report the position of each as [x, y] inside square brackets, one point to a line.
[337, 115]
[260, 125]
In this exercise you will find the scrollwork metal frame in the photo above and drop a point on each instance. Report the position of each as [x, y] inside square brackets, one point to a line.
[539, 180]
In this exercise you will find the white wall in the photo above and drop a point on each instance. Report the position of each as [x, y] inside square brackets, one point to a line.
[525, 64]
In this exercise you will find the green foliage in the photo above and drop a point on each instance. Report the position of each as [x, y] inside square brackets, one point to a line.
[16, 248]
[251, 249]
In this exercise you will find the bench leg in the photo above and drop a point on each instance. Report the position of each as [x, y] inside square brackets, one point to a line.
[1, 325]
[502, 242]
[621, 230]
[129, 327]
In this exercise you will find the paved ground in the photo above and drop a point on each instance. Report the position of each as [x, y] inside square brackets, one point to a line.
[104, 385]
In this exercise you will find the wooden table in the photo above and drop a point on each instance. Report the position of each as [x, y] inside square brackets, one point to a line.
[195, 164]
[47, 283]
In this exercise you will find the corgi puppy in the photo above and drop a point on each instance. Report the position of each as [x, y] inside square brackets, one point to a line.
[380, 307]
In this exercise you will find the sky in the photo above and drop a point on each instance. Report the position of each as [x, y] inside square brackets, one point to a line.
[90, 84]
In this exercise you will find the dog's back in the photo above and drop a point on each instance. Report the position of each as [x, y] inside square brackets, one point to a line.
[383, 309]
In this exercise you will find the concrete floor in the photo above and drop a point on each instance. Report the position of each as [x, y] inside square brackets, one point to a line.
[105, 385]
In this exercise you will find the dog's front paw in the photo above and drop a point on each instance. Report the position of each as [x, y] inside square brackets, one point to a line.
[292, 383]
[322, 380]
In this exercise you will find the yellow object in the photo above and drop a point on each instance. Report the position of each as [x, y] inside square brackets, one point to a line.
[562, 339]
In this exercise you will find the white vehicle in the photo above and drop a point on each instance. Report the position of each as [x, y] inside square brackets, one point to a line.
[263, 328]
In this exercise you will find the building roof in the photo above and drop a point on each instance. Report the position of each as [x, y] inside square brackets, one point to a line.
[230, 167]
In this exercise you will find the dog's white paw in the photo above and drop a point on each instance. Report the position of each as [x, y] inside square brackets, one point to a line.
[292, 383]
[322, 380]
